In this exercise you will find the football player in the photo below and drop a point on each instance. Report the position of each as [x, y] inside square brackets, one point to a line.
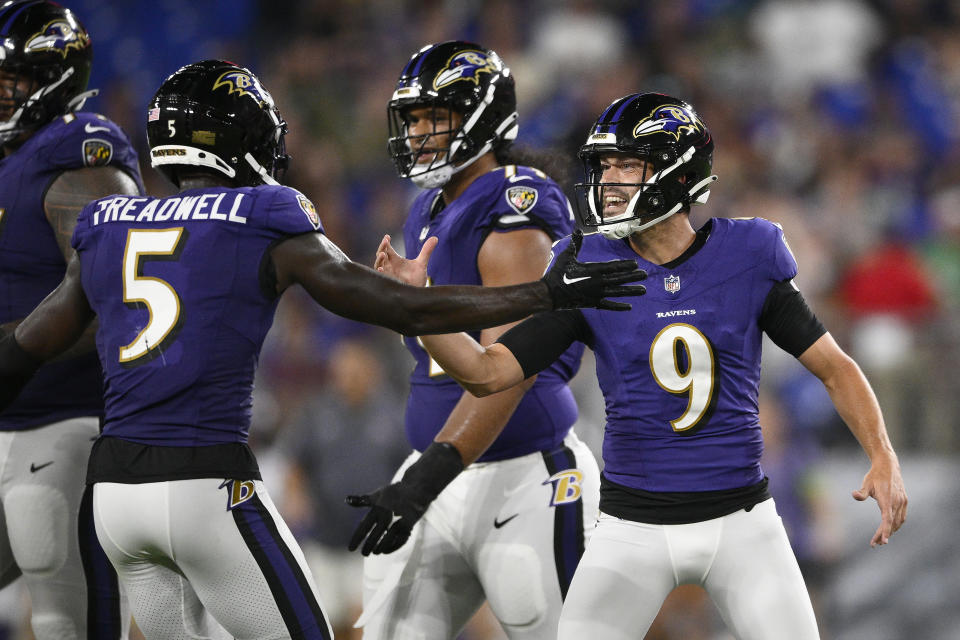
[683, 498]
[53, 160]
[185, 288]
[512, 527]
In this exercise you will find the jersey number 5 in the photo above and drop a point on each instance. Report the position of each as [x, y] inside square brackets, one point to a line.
[683, 363]
[160, 299]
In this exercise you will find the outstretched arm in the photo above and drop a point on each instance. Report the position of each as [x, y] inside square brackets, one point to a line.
[481, 370]
[361, 293]
[857, 405]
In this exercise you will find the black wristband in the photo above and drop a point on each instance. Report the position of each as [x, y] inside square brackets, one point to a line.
[434, 469]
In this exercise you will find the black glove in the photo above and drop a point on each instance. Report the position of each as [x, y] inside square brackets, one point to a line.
[16, 368]
[574, 284]
[396, 508]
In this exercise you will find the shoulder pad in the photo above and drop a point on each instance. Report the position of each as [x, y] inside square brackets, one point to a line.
[530, 198]
[288, 210]
[84, 139]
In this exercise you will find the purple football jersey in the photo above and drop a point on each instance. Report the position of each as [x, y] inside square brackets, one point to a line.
[501, 200]
[31, 264]
[176, 285]
[680, 371]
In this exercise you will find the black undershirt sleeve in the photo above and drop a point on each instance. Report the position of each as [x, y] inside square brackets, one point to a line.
[539, 340]
[787, 319]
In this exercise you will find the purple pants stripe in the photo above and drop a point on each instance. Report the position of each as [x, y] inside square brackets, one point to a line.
[299, 608]
[568, 540]
[103, 591]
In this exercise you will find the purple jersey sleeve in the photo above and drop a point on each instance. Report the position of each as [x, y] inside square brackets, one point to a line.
[784, 265]
[91, 140]
[290, 212]
[529, 199]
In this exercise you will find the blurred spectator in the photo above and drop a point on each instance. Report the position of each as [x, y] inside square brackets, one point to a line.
[889, 297]
[832, 47]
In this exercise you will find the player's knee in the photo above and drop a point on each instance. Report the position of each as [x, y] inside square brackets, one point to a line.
[40, 530]
[517, 597]
[53, 626]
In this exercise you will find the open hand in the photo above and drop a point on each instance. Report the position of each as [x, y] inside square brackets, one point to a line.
[394, 509]
[412, 272]
[574, 284]
[884, 484]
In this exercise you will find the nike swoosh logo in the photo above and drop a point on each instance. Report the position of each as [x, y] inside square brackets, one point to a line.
[90, 128]
[519, 178]
[36, 467]
[567, 280]
[499, 523]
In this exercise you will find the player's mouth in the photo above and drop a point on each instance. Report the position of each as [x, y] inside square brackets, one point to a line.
[614, 202]
[427, 156]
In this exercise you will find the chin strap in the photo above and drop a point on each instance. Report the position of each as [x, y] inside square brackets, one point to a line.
[260, 171]
[76, 103]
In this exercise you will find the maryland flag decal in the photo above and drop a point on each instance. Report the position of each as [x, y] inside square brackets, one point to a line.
[96, 152]
[521, 199]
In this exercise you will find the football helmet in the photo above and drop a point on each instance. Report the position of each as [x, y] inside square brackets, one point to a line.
[463, 77]
[44, 48]
[665, 132]
[217, 115]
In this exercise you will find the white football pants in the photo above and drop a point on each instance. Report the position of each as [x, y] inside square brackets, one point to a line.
[743, 560]
[47, 534]
[184, 545]
[510, 532]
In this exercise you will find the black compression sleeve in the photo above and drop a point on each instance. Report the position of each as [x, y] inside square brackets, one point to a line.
[16, 368]
[541, 339]
[787, 319]
[440, 463]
